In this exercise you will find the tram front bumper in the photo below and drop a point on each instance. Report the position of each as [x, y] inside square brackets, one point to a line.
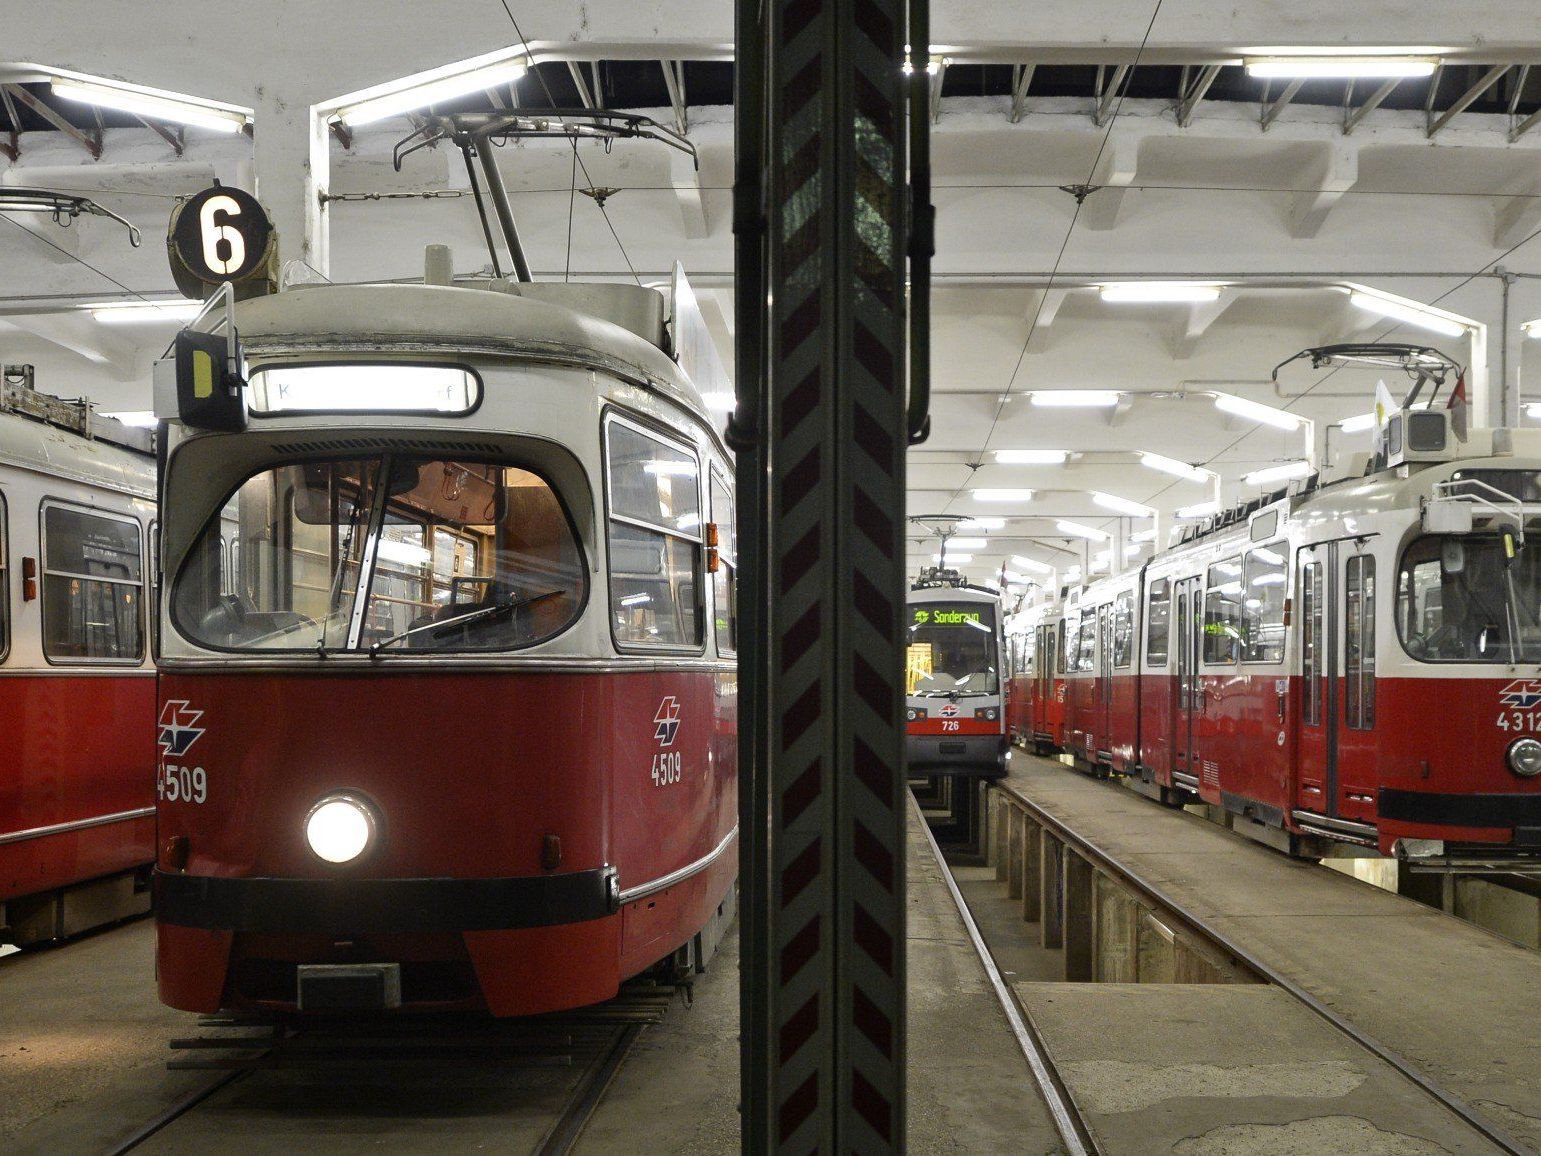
[957, 754]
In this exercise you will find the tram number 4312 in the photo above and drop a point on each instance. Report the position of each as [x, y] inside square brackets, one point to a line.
[666, 768]
[1519, 720]
[184, 784]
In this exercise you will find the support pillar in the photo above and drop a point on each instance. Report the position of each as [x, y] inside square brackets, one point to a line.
[820, 218]
[292, 171]
[1079, 876]
[1051, 928]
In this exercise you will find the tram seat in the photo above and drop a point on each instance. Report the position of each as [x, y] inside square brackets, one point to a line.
[234, 621]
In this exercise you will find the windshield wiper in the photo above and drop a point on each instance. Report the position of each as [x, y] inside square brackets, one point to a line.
[470, 616]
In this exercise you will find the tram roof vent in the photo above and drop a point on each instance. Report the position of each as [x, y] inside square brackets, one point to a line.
[633, 307]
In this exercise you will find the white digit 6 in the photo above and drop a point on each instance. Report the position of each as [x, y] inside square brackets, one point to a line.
[214, 233]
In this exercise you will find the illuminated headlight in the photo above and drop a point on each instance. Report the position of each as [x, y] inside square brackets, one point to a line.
[1525, 757]
[340, 828]
[910, 714]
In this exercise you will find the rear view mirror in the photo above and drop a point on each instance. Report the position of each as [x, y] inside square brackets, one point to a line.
[209, 395]
[1452, 557]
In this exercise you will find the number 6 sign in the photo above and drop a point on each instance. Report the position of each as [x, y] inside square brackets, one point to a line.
[221, 234]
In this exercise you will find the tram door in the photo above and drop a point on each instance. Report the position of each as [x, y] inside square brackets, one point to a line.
[1188, 702]
[1317, 748]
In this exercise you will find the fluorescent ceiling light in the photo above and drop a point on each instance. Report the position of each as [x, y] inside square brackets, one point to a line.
[1340, 67]
[1257, 411]
[967, 543]
[1287, 472]
[1032, 564]
[138, 418]
[1075, 398]
[982, 524]
[1032, 457]
[1146, 535]
[1533, 409]
[1015, 579]
[1532, 328]
[1132, 549]
[1122, 505]
[1080, 530]
[1172, 466]
[139, 312]
[1410, 312]
[953, 559]
[721, 401]
[424, 88]
[1073, 573]
[155, 105]
[1003, 495]
[1199, 510]
[1159, 292]
[1358, 423]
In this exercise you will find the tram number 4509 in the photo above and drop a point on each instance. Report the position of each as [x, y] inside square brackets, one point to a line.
[667, 768]
[185, 784]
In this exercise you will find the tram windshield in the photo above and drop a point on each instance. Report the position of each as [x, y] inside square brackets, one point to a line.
[1460, 600]
[450, 556]
[951, 650]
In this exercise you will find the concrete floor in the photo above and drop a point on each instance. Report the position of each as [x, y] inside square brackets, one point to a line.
[83, 1048]
[1458, 1002]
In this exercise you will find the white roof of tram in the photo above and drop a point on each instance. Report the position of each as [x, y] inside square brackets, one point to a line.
[504, 320]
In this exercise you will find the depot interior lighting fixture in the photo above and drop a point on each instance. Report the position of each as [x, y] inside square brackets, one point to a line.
[1146, 535]
[152, 103]
[141, 312]
[1172, 466]
[1198, 510]
[1121, 505]
[1283, 473]
[1081, 530]
[982, 524]
[1358, 423]
[1410, 312]
[953, 559]
[719, 401]
[1257, 411]
[1032, 564]
[1159, 292]
[1032, 457]
[1339, 67]
[424, 88]
[1003, 495]
[1132, 549]
[967, 543]
[1075, 398]
[1532, 328]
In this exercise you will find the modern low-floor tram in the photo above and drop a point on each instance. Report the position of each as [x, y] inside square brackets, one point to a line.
[1353, 663]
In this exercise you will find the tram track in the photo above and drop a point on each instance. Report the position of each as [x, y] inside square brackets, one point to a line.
[1076, 1133]
[595, 1040]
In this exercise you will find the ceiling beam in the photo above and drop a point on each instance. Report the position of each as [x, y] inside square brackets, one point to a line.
[1334, 174]
[1272, 111]
[1196, 321]
[91, 142]
[585, 94]
[1116, 170]
[1351, 118]
[177, 139]
[1107, 97]
[1021, 80]
[1040, 317]
[78, 333]
[1196, 93]
[1466, 99]
[674, 81]
[685, 177]
[1516, 217]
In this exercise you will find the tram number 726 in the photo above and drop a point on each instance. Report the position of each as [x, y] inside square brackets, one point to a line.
[189, 785]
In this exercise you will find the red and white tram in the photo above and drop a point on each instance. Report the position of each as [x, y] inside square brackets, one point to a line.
[1354, 662]
[447, 647]
[954, 708]
[77, 692]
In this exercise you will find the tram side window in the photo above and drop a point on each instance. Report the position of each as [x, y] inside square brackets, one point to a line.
[1123, 629]
[1223, 612]
[1159, 622]
[1070, 645]
[654, 538]
[5, 584]
[725, 580]
[1359, 643]
[1311, 641]
[1263, 623]
[1086, 652]
[93, 583]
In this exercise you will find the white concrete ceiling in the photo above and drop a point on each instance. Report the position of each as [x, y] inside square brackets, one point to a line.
[1284, 218]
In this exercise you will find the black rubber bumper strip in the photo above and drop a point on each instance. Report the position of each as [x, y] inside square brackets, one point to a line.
[383, 906]
[1460, 810]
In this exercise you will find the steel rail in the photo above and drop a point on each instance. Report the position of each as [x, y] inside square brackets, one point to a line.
[590, 1091]
[1068, 1119]
[179, 1108]
[1127, 876]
